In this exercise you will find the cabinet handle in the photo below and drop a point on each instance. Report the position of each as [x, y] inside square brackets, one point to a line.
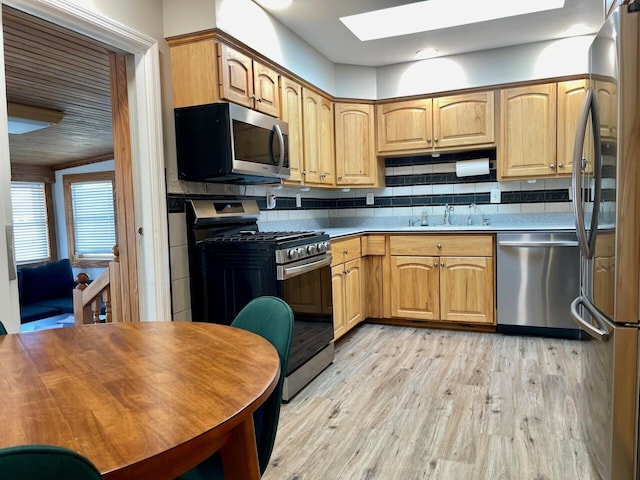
[428, 140]
[259, 99]
[253, 97]
[339, 177]
[344, 252]
[552, 166]
[442, 264]
[439, 245]
[435, 139]
[435, 264]
[347, 271]
[304, 172]
[561, 165]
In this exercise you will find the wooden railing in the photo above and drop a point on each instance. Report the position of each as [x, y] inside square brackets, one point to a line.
[89, 298]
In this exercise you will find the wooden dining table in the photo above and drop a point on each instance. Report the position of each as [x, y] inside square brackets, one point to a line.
[141, 400]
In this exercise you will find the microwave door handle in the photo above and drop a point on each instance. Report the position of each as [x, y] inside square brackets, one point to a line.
[276, 127]
[576, 188]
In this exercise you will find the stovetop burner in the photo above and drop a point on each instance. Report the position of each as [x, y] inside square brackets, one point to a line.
[251, 236]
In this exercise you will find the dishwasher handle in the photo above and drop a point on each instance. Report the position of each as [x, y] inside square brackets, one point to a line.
[542, 243]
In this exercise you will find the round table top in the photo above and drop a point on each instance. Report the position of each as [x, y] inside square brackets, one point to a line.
[141, 398]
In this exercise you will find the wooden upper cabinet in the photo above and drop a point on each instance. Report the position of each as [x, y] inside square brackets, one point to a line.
[311, 104]
[236, 76]
[404, 125]
[570, 99]
[193, 73]
[327, 143]
[356, 160]
[319, 156]
[605, 92]
[527, 131]
[291, 112]
[448, 123]
[247, 82]
[267, 95]
[461, 120]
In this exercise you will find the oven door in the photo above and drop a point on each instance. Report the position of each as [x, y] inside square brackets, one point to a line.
[308, 293]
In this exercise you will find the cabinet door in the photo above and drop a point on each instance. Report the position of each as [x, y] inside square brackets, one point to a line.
[292, 114]
[353, 293]
[415, 286]
[404, 125]
[607, 112]
[466, 289]
[527, 131]
[267, 96]
[327, 157]
[311, 104]
[356, 161]
[462, 120]
[338, 281]
[193, 73]
[570, 99]
[236, 76]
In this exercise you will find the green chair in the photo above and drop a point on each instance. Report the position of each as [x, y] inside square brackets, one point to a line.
[45, 462]
[272, 319]
[3, 331]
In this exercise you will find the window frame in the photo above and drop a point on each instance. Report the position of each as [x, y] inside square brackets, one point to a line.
[51, 225]
[68, 179]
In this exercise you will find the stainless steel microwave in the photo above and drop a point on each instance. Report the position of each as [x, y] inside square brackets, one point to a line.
[229, 143]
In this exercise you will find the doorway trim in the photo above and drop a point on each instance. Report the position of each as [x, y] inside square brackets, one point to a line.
[143, 71]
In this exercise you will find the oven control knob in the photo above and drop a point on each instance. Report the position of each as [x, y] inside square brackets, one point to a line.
[293, 254]
[301, 252]
[312, 249]
[322, 247]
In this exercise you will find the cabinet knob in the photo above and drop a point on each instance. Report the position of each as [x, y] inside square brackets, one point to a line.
[253, 97]
[442, 264]
[435, 264]
[428, 140]
[304, 172]
[339, 177]
[561, 165]
[347, 271]
[435, 139]
[439, 245]
[344, 252]
[258, 99]
[552, 166]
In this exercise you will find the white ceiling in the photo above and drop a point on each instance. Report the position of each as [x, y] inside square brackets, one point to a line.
[317, 22]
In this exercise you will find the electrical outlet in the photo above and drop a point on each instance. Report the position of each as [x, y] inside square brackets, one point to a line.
[298, 200]
[495, 195]
[370, 198]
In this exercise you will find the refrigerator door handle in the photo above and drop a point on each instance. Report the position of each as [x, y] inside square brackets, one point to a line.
[576, 190]
[601, 333]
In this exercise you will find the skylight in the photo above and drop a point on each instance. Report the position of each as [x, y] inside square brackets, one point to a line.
[436, 14]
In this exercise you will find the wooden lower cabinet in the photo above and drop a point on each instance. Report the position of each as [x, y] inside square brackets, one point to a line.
[466, 289]
[346, 283]
[452, 288]
[415, 284]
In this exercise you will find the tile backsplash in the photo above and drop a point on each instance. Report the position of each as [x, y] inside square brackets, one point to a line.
[413, 185]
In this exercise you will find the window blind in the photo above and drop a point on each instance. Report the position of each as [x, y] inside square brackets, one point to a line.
[30, 227]
[93, 218]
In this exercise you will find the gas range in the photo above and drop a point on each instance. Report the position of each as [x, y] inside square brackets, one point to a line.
[231, 262]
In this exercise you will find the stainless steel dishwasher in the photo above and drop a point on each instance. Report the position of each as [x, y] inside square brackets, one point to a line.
[538, 276]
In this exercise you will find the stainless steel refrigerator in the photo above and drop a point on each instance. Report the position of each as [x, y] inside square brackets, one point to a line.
[606, 196]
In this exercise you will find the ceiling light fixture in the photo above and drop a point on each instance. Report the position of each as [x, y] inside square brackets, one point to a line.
[275, 4]
[425, 53]
[436, 14]
[25, 118]
[577, 30]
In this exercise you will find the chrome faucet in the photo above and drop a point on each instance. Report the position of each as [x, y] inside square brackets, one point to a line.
[447, 213]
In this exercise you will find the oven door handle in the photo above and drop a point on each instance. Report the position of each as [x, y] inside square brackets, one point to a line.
[284, 273]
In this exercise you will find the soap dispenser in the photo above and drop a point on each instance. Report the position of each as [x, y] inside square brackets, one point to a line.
[423, 218]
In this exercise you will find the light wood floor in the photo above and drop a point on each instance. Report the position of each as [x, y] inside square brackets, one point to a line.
[405, 403]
